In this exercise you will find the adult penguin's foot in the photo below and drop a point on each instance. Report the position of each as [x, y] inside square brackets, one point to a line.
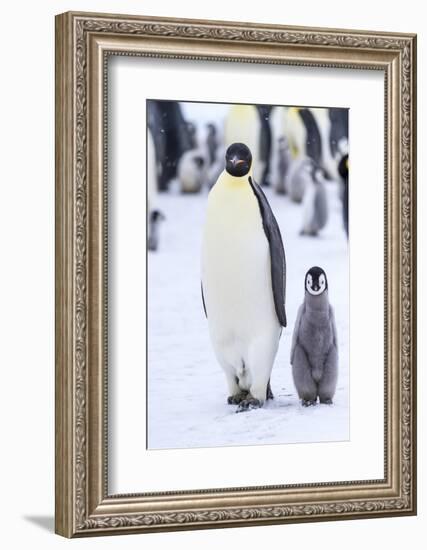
[269, 391]
[326, 401]
[308, 402]
[248, 404]
[237, 398]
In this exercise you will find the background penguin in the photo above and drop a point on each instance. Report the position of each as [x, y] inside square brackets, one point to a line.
[172, 136]
[212, 143]
[243, 280]
[315, 204]
[295, 131]
[192, 134]
[314, 351]
[280, 149]
[343, 172]
[339, 129]
[154, 219]
[313, 141]
[154, 216]
[216, 168]
[282, 162]
[265, 142]
[192, 170]
[299, 178]
[328, 160]
[243, 124]
[303, 134]
[152, 172]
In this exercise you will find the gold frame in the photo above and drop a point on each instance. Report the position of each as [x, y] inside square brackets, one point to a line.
[83, 43]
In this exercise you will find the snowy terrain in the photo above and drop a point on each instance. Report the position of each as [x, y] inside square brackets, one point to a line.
[187, 393]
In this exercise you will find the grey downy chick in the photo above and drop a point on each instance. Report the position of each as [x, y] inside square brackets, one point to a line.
[284, 161]
[298, 178]
[192, 171]
[314, 351]
[315, 204]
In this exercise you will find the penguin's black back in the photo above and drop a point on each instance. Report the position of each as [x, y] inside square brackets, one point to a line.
[314, 140]
[171, 135]
[339, 127]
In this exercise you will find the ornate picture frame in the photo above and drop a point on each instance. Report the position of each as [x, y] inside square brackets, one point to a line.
[84, 42]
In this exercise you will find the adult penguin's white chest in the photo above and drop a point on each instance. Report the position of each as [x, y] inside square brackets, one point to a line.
[236, 265]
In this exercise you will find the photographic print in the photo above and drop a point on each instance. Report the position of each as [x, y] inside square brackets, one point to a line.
[248, 274]
[222, 295]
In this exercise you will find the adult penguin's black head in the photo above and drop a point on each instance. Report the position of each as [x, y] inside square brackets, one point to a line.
[315, 281]
[238, 159]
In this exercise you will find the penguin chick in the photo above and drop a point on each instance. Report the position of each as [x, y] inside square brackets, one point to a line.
[314, 351]
[315, 204]
[283, 161]
[243, 280]
[192, 134]
[212, 142]
[192, 171]
[298, 178]
[154, 219]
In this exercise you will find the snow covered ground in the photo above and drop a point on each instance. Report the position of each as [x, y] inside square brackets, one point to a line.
[187, 393]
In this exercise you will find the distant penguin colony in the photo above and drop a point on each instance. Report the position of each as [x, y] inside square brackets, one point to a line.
[243, 280]
[314, 352]
[312, 133]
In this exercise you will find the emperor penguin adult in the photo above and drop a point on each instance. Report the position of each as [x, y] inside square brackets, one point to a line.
[303, 134]
[343, 172]
[314, 350]
[243, 280]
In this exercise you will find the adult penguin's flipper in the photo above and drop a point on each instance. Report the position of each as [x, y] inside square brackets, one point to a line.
[296, 332]
[277, 252]
[203, 299]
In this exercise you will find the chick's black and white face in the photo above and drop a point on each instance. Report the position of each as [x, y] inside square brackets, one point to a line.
[238, 160]
[315, 281]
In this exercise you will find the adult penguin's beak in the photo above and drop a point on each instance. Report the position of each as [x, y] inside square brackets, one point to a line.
[236, 161]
